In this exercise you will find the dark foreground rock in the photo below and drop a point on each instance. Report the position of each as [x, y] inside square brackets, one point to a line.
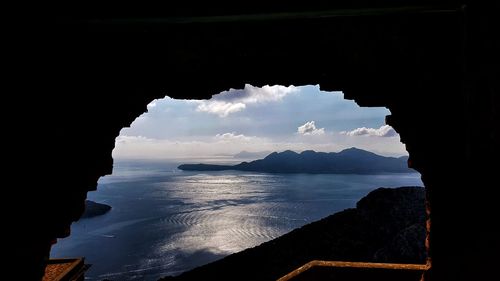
[94, 209]
[388, 225]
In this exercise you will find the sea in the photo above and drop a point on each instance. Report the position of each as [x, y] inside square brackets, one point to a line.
[165, 221]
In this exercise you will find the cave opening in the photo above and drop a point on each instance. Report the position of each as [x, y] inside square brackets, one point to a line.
[165, 221]
[435, 67]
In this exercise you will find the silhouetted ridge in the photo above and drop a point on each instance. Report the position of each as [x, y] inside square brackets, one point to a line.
[93, 209]
[205, 167]
[348, 161]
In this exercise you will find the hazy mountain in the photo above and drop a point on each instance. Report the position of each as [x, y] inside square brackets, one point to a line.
[348, 161]
[251, 155]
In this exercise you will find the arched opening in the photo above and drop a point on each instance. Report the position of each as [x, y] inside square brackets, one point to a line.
[199, 218]
[434, 66]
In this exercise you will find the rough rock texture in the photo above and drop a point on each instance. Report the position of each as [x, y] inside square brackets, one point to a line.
[76, 75]
[403, 247]
[371, 232]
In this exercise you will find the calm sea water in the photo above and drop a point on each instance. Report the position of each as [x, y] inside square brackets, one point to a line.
[165, 221]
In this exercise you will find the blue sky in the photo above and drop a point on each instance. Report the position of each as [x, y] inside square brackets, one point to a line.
[271, 118]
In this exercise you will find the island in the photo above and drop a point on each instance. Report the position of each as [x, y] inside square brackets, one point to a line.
[94, 209]
[387, 225]
[348, 161]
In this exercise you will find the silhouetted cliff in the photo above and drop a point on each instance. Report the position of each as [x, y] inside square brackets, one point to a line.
[348, 161]
[388, 225]
[93, 209]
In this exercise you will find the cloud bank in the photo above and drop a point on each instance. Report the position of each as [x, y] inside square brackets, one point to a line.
[233, 137]
[384, 131]
[234, 100]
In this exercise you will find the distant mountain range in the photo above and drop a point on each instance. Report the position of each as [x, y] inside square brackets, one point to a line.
[348, 161]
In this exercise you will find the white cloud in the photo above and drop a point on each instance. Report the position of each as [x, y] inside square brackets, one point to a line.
[220, 108]
[124, 139]
[234, 100]
[384, 131]
[233, 137]
[309, 128]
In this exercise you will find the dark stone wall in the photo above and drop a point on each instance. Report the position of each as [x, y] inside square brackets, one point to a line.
[80, 76]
